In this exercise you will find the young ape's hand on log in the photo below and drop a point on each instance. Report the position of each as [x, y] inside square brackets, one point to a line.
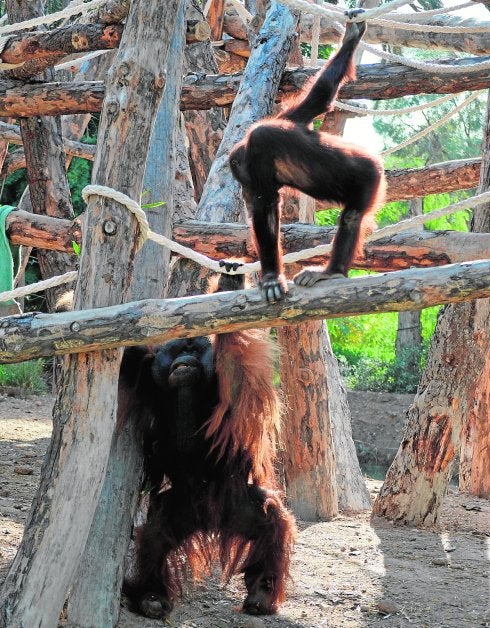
[286, 151]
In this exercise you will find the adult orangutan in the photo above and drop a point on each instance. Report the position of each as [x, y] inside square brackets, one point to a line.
[210, 452]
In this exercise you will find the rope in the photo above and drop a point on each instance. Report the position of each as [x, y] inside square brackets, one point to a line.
[322, 11]
[289, 258]
[146, 233]
[431, 12]
[362, 111]
[427, 28]
[74, 8]
[79, 60]
[433, 126]
[59, 280]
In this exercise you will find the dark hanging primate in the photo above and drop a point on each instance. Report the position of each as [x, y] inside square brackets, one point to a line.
[210, 467]
[286, 151]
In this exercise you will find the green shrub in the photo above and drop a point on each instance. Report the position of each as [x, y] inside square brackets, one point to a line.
[28, 375]
[400, 375]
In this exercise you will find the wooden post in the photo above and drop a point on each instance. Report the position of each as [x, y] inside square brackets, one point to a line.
[98, 581]
[48, 191]
[474, 470]
[84, 416]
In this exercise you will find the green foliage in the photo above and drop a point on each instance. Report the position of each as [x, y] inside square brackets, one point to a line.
[401, 375]
[28, 375]
[324, 50]
[365, 348]
[458, 138]
[79, 174]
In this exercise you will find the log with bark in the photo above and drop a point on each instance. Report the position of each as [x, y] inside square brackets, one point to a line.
[39, 50]
[378, 81]
[375, 81]
[97, 584]
[228, 240]
[449, 415]
[154, 321]
[48, 192]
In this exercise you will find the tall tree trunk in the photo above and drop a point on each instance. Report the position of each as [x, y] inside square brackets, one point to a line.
[474, 470]
[309, 463]
[408, 342]
[97, 584]
[49, 192]
[452, 401]
[84, 417]
[204, 128]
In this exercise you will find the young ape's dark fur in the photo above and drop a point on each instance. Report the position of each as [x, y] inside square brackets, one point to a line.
[285, 151]
[210, 466]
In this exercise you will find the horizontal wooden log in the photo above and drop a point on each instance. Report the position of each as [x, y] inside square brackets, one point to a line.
[50, 99]
[16, 159]
[43, 232]
[152, 321]
[447, 176]
[42, 49]
[229, 240]
[375, 81]
[378, 81]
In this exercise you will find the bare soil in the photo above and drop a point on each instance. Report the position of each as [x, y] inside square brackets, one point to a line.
[353, 571]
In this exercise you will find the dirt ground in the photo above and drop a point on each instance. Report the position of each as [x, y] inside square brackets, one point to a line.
[349, 572]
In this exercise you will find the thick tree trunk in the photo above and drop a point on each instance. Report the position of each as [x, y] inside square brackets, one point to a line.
[84, 415]
[98, 581]
[474, 469]
[451, 404]
[309, 463]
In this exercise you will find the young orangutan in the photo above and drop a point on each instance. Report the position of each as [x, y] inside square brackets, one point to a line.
[210, 464]
[286, 151]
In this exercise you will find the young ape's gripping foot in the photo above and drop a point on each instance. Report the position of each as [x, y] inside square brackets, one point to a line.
[310, 276]
[274, 287]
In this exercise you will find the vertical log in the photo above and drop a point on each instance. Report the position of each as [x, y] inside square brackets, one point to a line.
[254, 100]
[221, 200]
[408, 334]
[451, 402]
[204, 128]
[48, 188]
[84, 415]
[309, 463]
[474, 471]
[98, 581]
